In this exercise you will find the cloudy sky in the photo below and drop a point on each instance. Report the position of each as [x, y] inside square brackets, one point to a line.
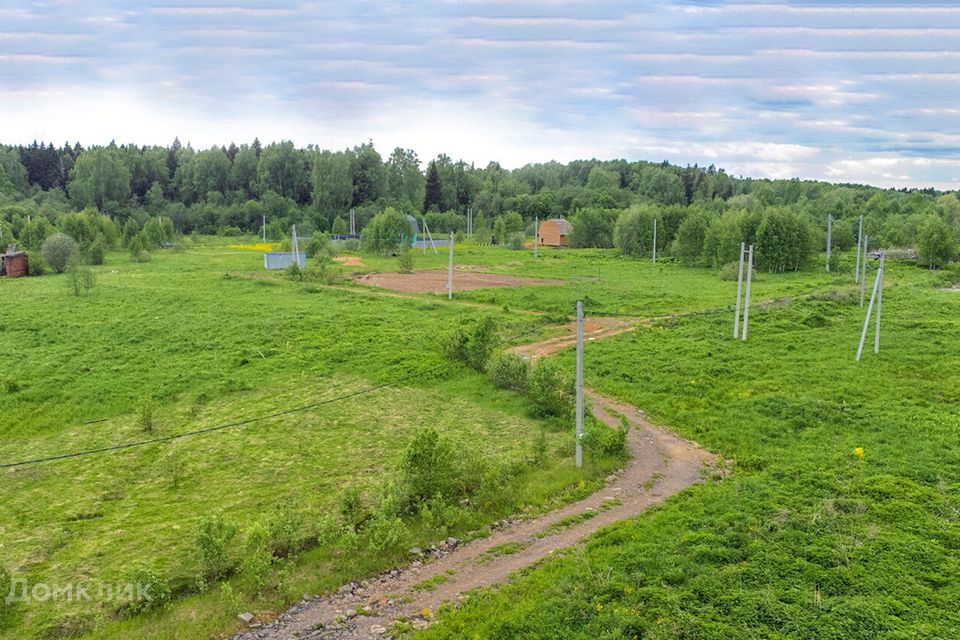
[862, 92]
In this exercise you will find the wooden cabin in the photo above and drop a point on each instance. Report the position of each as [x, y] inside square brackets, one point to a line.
[554, 233]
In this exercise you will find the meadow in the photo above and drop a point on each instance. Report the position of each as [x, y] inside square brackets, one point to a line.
[842, 516]
[204, 337]
[839, 520]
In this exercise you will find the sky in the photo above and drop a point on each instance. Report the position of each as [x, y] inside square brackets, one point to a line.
[864, 92]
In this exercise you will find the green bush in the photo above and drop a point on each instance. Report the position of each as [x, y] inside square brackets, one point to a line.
[319, 243]
[213, 541]
[552, 388]
[284, 525]
[384, 533]
[352, 508]
[96, 253]
[472, 343]
[515, 241]
[148, 582]
[37, 265]
[258, 560]
[509, 371]
[731, 271]
[294, 271]
[405, 259]
[137, 246]
[80, 278]
[429, 468]
[146, 418]
[603, 440]
[58, 250]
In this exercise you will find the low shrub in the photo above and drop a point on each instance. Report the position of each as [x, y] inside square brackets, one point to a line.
[96, 253]
[352, 508]
[80, 278]
[515, 241]
[146, 415]
[603, 440]
[213, 541]
[509, 371]
[37, 265]
[405, 259]
[151, 590]
[472, 343]
[384, 533]
[294, 272]
[551, 388]
[428, 468]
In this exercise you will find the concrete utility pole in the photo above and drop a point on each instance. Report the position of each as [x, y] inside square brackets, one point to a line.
[429, 235]
[736, 320]
[353, 223]
[536, 237]
[295, 246]
[829, 238]
[450, 271]
[863, 267]
[876, 337]
[876, 296]
[746, 302]
[654, 241]
[469, 222]
[856, 273]
[579, 453]
[263, 227]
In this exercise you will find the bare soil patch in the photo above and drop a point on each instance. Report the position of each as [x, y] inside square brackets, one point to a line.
[593, 329]
[435, 281]
[349, 261]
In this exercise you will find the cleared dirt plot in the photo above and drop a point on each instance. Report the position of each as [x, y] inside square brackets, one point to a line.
[435, 281]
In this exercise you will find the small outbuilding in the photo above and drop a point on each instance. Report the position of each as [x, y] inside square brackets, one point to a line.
[13, 263]
[554, 233]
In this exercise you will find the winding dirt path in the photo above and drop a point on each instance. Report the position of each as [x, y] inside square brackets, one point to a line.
[661, 464]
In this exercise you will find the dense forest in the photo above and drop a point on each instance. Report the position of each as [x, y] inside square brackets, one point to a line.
[114, 193]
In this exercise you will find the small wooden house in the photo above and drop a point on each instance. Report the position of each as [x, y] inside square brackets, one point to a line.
[13, 263]
[554, 233]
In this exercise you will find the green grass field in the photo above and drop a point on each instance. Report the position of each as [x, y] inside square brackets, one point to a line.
[209, 338]
[806, 539]
[842, 517]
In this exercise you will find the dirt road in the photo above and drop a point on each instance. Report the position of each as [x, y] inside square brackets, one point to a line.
[660, 465]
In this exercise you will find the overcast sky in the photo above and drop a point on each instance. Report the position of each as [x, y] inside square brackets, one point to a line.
[862, 92]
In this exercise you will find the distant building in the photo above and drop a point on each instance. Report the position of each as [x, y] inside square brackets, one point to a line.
[554, 233]
[13, 263]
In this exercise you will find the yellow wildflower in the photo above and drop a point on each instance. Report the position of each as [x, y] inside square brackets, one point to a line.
[858, 452]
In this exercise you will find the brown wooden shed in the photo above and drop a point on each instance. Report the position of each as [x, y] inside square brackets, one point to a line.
[13, 263]
[554, 233]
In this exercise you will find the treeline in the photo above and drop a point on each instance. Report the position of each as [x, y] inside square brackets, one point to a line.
[232, 190]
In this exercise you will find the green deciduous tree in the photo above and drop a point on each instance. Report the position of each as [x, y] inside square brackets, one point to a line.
[384, 233]
[936, 242]
[282, 170]
[784, 241]
[593, 227]
[99, 177]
